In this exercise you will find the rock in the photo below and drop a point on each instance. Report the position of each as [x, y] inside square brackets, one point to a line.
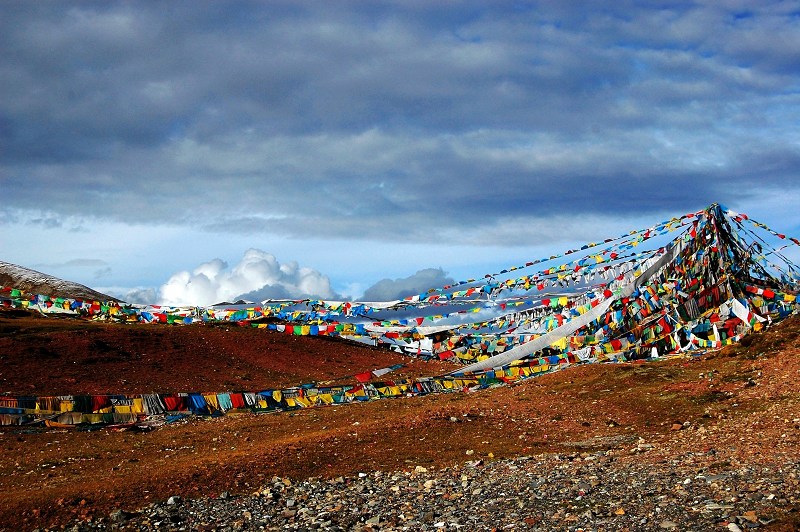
[667, 525]
[420, 469]
[733, 527]
[118, 516]
[175, 499]
[470, 452]
[677, 426]
[716, 506]
[749, 516]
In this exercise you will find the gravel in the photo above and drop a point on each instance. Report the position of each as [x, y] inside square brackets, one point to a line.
[581, 491]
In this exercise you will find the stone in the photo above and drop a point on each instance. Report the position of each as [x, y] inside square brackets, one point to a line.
[749, 516]
[175, 499]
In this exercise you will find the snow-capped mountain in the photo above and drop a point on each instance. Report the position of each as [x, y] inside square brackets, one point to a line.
[34, 282]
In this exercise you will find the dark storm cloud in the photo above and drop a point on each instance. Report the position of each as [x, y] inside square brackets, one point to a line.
[400, 119]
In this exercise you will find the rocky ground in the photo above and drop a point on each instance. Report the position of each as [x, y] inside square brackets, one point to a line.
[711, 443]
[600, 490]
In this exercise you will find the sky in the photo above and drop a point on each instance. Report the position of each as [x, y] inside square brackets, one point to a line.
[192, 152]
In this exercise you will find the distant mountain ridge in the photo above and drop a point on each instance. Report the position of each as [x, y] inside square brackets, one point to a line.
[34, 282]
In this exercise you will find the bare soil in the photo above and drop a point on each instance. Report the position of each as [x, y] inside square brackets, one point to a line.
[62, 356]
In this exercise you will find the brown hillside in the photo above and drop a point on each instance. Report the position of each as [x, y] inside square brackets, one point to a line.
[56, 356]
[737, 409]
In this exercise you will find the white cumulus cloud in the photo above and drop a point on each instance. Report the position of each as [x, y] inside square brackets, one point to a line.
[259, 275]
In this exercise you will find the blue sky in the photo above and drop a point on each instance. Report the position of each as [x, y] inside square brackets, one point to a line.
[148, 147]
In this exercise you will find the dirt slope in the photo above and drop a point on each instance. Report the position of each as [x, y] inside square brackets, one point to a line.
[58, 356]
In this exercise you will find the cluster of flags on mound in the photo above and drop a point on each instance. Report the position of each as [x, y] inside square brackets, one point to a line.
[692, 283]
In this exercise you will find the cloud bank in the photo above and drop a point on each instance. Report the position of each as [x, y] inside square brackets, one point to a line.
[257, 276]
[341, 133]
[392, 289]
[406, 119]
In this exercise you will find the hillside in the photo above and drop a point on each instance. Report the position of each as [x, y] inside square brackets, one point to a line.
[56, 356]
[584, 429]
[35, 282]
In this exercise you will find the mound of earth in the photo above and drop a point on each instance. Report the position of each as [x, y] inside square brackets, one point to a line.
[705, 443]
